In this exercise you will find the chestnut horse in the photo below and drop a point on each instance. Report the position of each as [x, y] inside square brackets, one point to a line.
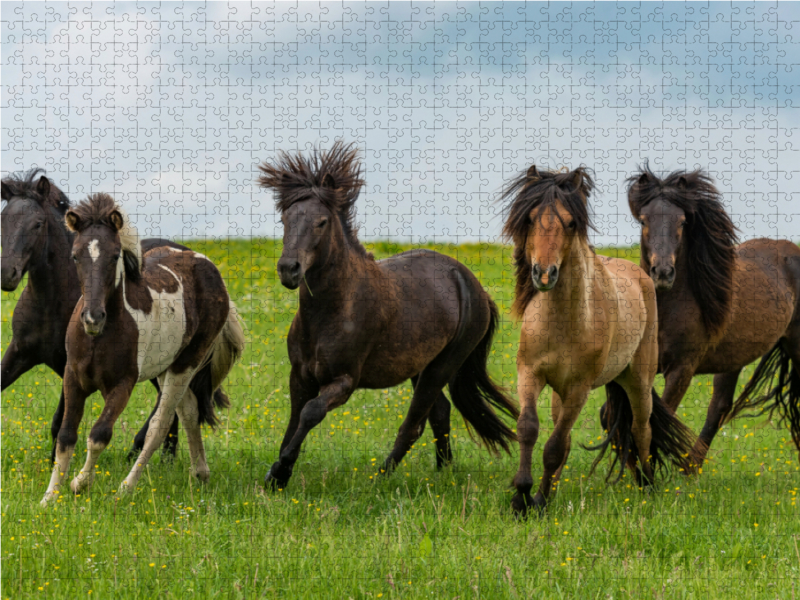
[721, 307]
[587, 321]
[375, 324]
[166, 315]
[36, 242]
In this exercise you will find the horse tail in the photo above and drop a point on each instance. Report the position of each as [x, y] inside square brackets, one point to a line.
[226, 350]
[783, 397]
[474, 393]
[671, 440]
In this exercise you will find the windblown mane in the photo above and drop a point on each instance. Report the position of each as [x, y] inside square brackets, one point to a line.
[710, 236]
[536, 190]
[24, 185]
[98, 209]
[333, 177]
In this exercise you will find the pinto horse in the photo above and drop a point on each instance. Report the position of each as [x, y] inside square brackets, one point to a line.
[374, 324]
[587, 321]
[721, 307]
[165, 314]
[36, 243]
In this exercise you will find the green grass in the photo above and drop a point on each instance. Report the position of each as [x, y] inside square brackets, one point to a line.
[340, 531]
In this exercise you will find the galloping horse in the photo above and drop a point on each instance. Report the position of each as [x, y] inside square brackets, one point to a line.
[721, 306]
[587, 321]
[374, 324]
[166, 314]
[36, 242]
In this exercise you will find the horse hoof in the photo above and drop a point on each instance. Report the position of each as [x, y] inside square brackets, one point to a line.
[203, 475]
[126, 489]
[521, 504]
[80, 484]
[275, 480]
[48, 498]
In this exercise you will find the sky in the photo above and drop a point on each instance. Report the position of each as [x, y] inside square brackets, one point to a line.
[170, 107]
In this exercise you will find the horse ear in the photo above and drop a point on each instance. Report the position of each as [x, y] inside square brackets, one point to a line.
[72, 220]
[116, 220]
[6, 195]
[682, 183]
[644, 178]
[43, 187]
[577, 180]
[328, 181]
[533, 172]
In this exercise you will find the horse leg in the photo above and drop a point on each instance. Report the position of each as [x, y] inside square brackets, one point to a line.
[676, 382]
[170, 444]
[556, 448]
[791, 345]
[15, 363]
[67, 435]
[641, 400]
[555, 412]
[55, 424]
[173, 387]
[330, 396]
[189, 415]
[718, 409]
[100, 436]
[529, 386]
[439, 418]
[301, 391]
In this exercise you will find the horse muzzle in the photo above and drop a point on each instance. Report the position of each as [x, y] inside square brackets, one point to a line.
[544, 280]
[663, 277]
[289, 272]
[10, 276]
[93, 324]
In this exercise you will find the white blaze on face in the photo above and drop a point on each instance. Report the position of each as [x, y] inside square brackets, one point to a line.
[161, 331]
[94, 250]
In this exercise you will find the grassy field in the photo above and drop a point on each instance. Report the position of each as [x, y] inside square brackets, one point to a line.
[341, 531]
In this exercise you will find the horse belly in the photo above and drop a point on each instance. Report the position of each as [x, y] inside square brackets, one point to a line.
[161, 334]
[626, 342]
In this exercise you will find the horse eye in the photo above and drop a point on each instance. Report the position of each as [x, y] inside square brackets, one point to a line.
[38, 226]
[74, 258]
[571, 226]
[322, 223]
[116, 256]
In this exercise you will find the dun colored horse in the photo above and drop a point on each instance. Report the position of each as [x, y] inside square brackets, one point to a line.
[721, 307]
[587, 321]
[374, 324]
[36, 242]
[166, 315]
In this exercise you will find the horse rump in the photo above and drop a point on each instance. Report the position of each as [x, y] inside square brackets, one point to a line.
[206, 384]
[671, 440]
[474, 394]
[784, 395]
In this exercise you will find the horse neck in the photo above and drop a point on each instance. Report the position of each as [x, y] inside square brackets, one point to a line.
[52, 274]
[574, 287]
[333, 280]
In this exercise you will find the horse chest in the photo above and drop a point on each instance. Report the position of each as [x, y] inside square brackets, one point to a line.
[161, 332]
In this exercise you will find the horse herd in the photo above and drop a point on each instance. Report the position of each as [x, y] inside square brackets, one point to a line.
[106, 310]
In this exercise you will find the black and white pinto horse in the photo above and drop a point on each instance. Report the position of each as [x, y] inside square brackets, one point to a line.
[165, 314]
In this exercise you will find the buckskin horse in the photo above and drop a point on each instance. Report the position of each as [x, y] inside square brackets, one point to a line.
[587, 321]
[165, 314]
[372, 324]
[36, 242]
[721, 306]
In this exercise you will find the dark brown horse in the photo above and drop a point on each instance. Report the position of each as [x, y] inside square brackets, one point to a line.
[587, 321]
[36, 242]
[375, 324]
[165, 314]
[720, 307]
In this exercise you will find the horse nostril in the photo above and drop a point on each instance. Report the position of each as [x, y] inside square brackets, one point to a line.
[295, 268]
[653, 272]
[553, 273]
[537, 271]
[101, 314]
[669, 272]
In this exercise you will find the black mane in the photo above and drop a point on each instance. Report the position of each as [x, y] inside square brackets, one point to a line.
[710, 235]
[333, 177]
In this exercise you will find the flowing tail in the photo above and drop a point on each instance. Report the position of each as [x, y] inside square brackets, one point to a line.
[671, 440]
[474, 394]
[783, 397]
[227, 349]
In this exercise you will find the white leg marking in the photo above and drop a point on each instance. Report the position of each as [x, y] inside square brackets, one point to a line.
[173, 387]
[85, 479]
[59, 475]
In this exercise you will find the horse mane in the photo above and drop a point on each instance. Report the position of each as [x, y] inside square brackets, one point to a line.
[333, 177]
[535, 190]
[98, 209]
[710, 236]
[24, 185]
